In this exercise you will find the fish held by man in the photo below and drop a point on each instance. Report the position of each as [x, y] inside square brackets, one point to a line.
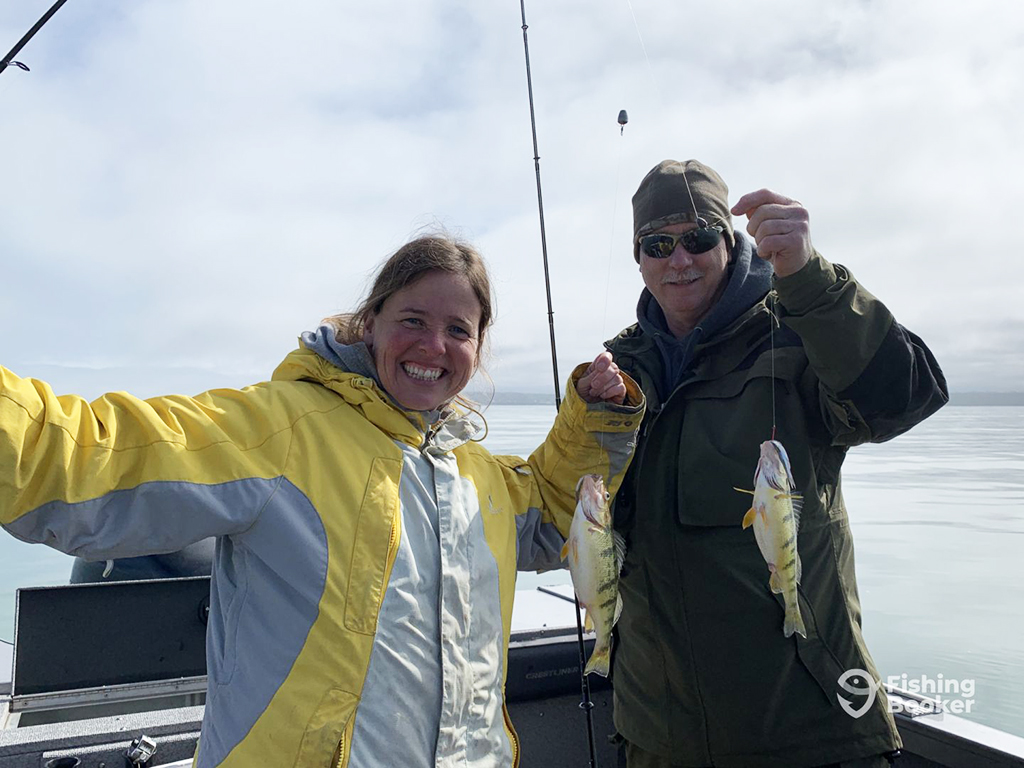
[775, 518]
[595, 552]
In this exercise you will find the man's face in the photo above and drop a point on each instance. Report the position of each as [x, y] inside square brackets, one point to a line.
[685, 285]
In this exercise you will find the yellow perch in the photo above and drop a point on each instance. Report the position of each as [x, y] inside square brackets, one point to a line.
[595, 553]
[775, 516]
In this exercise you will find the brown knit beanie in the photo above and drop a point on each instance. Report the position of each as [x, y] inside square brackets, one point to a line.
[662, 199]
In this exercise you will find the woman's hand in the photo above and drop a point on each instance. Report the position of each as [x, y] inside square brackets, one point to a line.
[602, 382]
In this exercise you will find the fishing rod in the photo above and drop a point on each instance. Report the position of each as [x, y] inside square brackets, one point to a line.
[540, 208]
[585, 704]
[8, 60]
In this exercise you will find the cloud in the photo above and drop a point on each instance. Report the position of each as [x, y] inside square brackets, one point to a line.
[189, 185]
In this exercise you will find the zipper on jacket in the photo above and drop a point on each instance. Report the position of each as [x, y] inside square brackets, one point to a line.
[393, 535]
[513, 737]
[340, 753]
[429, 435]
[431, 432]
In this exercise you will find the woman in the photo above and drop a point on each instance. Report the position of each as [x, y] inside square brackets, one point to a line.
[367, 547]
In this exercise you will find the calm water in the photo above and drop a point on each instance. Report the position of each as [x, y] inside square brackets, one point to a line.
[938, 520]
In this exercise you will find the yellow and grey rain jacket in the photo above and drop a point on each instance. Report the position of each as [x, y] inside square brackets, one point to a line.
[365, 565]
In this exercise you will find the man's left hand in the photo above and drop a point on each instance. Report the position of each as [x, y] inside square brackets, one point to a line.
[602, 381]
[780, 227]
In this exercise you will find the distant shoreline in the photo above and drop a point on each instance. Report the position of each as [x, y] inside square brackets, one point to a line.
[987, 398]
[956, 399]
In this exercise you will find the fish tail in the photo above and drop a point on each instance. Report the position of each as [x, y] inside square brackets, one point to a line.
[794, 621]
[600, 660]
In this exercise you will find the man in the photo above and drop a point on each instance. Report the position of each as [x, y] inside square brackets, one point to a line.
[703, 673]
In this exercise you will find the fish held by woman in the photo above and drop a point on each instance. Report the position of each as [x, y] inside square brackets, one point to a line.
[775, 518]
[595, 553]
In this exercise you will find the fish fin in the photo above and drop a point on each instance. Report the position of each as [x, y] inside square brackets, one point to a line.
[796, 500]
[748, 519]
[799, 568]
[798, 508]
[774, 583]
[565, 550]
[588, 623]
[742, 490]
[618, 609]
[599, 662]
[764, 516]
[794, 622]
[620, 550]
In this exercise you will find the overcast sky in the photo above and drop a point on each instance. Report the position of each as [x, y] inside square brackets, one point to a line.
[185, 186]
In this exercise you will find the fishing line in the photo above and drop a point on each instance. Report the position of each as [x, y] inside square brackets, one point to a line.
[611, 235]
[771, 335]
[622, 120]
[643, 47]
[772, 318]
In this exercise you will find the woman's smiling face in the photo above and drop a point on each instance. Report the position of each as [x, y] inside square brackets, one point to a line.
[425, 340]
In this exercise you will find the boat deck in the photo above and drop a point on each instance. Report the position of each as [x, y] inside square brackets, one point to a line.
[51, 728]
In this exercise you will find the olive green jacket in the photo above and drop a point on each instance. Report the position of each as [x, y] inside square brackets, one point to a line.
[701, 670]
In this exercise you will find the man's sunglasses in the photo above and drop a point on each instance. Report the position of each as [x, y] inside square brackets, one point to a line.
[694, 241]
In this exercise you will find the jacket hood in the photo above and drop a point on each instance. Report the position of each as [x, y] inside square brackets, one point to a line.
[354, 358]
[349, 371]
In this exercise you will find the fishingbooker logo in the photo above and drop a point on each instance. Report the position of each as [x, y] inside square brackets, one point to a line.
[860, 684]
[939, 694]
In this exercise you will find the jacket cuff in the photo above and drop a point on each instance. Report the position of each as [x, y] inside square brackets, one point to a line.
[604, 416]
[799, 292]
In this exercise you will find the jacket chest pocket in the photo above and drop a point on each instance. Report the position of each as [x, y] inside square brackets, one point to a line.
[720, 433]
[375, 539]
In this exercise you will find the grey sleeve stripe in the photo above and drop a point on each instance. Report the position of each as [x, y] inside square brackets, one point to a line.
[538, 544]
[618, 444]
[152, 518]
[620, 447]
